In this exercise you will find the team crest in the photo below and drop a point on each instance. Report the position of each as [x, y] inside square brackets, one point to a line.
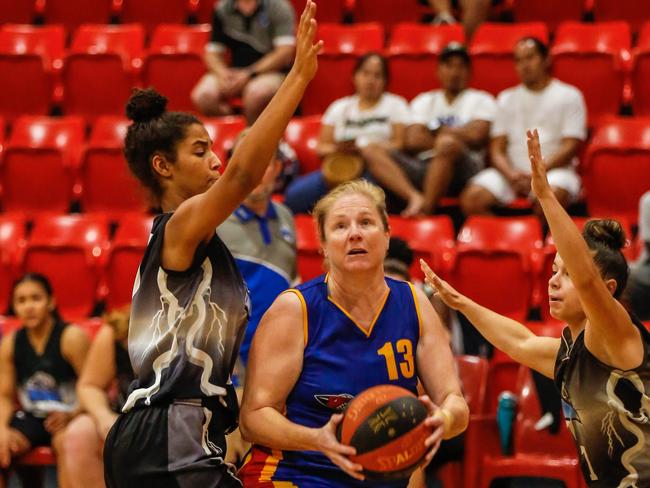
[334, 402]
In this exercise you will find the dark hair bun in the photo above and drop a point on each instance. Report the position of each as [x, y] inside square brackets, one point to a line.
[145, 105]
[606, 232]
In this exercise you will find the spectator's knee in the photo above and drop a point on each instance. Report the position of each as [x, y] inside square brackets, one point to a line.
[205, 96]
[257, 95]
[448, 145]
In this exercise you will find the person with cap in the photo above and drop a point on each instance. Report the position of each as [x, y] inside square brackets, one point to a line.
[639, 284]
[360, 135]
[558, 111]
[449, 130]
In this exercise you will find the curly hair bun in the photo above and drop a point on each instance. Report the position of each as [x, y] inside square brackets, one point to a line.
[145, 105]
[606, 232]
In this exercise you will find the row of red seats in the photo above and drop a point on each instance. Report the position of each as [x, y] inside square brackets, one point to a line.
[388, 12]
[95, 75]
[46, 164]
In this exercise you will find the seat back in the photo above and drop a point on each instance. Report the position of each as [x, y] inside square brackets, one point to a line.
[310, 259]
[473, 373]
[640, 76]
[551, 12]
[12, 243]
[224, 131]
[302, 134]
[631, 11]
[73, 13]
[387, 12]
[329, 11]
[151, 13]
[17, 12]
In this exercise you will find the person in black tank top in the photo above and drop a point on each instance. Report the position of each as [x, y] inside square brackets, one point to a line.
[39, 365]
[190, 304]
[601, 364]
[102, 389]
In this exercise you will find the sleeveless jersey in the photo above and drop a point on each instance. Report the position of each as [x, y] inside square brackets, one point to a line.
[123, 376]
[46, 382]
[185, 327]
[608, 412]
[340, 360]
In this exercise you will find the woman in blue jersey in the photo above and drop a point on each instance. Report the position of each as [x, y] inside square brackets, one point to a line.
[331, 338]
[601, 364]
[190, 303]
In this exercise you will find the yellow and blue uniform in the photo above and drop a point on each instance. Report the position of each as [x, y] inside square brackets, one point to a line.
[340, 360]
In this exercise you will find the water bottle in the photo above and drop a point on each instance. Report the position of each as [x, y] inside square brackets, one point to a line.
[506, 412]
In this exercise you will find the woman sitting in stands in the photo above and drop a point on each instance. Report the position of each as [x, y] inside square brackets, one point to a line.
[39, 365]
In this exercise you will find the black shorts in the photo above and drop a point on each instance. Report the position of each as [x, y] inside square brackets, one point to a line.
[33, 428]
[181, 445]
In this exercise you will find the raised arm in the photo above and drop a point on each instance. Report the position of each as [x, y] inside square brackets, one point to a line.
[515, 339]
[196, 219]
[270, 379]
[609, 333]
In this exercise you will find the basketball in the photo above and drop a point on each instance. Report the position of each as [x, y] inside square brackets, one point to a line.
[386, 426]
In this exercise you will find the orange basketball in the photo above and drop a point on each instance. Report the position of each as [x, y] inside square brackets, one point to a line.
[386, 426]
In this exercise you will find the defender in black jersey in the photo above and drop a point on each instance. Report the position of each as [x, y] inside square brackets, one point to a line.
[601, 364]
[39, 365]
[190, 303]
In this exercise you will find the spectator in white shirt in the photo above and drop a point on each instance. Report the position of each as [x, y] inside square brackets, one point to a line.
[450, 129]
[370, 124]
[556, 109]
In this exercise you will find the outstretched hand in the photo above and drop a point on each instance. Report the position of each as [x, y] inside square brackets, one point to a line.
[442, 289]
[306, 62]
[539, 182]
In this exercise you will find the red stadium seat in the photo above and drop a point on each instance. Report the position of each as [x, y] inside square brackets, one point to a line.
[552, 12]
[107, 184]
[29, 59]
[204, 11]
[127, 250]
[617, 166]
[65, 247]
[150, 13]
[431, 239]
[536, 453]
[302, 135]
[100, 69]
[21, 12]
[12, 243]
[493, 67]
[73, 13]
[224, 131]
[328, 11]
[177, 49]
[40, 163]
[388, 12]
[414, 48]
[310, 258]
[39, 456]
[493, 263]
[640, 75]
[583, 53]
[343, 45]
[90, 326]
[635, 12]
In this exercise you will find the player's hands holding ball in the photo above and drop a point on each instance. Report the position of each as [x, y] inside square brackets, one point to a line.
[336, 452]
[306, 61]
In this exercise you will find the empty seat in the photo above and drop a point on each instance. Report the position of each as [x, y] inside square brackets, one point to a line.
[640, 75]
[100, 69]
[343, 45]
[127, 249]
[177, 49]
[493, 263]
[616, 168]
[29, 58]
[73, 13]
[12, 242]
[204, 11]
[492, 47]
[40, 163]
[224, 131]
[150, 13]
[21, 12]
[107, 184]
[583, 53]
[552, 12]
[302, 135]
[635, 12]
[414, 48]
[329, 11]
[388, 12]
[70, 251]
[310, 257]
[431, 239]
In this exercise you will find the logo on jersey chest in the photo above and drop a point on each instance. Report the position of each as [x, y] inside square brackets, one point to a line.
[334, 402]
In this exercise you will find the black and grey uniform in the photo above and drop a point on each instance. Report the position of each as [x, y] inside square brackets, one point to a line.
[123, 376]
[608, 412]
[184, 334]
[45, 384]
